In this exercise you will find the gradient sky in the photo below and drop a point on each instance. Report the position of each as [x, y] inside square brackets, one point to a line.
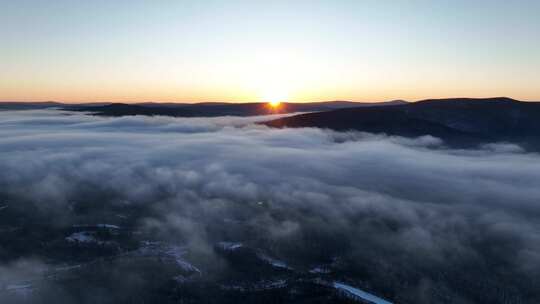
[75, 50]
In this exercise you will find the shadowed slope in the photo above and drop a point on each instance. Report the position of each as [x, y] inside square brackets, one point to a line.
[218, 109]
[458, 120]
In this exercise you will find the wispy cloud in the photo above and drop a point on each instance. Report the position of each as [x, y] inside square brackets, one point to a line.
[408, 204]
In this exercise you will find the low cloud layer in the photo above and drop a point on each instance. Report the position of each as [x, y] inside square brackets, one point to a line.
[400, 206]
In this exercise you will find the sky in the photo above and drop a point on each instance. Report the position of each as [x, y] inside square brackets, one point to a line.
[240, 51]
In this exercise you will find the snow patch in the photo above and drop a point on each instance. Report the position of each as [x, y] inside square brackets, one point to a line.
[320, 269]
[355, 293]
[158, 249]
[68, 268]
[257, 286]
[230, 246]
[106, 226]
[22, 290]
[274, 262]
[177, 253]
[82, 237]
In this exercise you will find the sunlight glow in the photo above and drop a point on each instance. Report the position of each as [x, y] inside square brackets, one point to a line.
[274, 97]
[274, 104]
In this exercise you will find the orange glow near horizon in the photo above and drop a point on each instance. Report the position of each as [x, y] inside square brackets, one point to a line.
[261, 89]
[274, 104]
[263, 51]
[264, 88]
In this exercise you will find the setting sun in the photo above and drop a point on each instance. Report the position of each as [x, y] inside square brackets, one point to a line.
[274, 104]
[275, 95]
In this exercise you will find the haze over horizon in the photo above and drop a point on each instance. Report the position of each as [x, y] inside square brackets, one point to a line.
[247, 51]
[187, 102]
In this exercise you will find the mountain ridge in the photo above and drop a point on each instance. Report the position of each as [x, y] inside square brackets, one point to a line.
[217, 109]
[456, 120]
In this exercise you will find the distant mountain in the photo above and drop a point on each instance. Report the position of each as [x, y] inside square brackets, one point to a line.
[218, 109]
[459, 121]
[13, 105]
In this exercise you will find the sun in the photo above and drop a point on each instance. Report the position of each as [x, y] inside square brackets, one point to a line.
[274, 98]
[274, 104]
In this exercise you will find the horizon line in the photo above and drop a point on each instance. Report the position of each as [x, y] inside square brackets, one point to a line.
[249, 102]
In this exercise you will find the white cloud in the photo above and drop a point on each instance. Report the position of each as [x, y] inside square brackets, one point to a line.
[409, 197]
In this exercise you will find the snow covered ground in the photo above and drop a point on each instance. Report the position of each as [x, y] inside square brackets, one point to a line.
[274, 262]
[82, 237]
[105, 226]
[320, 269]
[257, 286]
[21, 290]
[230, 246]
[357, 293]
[159, 249]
